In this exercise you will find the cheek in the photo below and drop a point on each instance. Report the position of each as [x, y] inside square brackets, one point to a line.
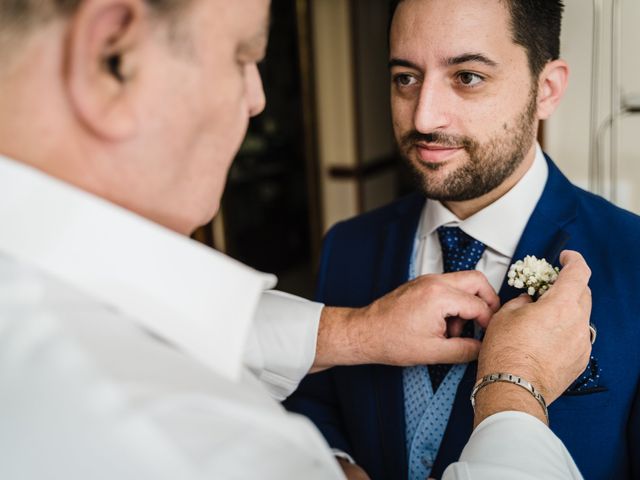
[220, 114]
[228, 105]
[219, 138]
[481, 119]
[402, 113]
[229, 124]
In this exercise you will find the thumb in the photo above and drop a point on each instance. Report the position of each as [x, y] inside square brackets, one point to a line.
[517, 303]
[459, 350]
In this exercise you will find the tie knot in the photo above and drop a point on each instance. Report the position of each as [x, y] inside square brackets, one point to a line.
[459, 250]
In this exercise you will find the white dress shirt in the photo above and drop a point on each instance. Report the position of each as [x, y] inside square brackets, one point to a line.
[499, 226]
[513, 446]
[282, 345]
[121, 351]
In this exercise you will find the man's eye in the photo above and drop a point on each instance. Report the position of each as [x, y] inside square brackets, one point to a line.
[404, 80]
[469, 79]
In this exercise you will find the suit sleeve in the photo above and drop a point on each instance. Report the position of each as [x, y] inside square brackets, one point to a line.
[316, 397]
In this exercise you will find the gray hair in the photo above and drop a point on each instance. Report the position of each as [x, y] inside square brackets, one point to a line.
[19, 17]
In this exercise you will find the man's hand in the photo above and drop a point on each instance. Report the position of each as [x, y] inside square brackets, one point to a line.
[418, 323]
[547, 342]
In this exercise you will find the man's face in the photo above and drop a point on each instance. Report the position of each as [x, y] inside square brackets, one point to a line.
[462, 95]
[205, 86]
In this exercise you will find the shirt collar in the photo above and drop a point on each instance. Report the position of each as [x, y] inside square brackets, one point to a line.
[500, 225]
[188, 294]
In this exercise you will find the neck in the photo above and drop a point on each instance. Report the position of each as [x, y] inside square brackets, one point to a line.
[467, 208]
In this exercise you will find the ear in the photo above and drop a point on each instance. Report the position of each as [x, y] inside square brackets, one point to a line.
[552, 84]
[103, 55]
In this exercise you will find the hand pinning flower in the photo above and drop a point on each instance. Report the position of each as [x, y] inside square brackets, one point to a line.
[533, 275]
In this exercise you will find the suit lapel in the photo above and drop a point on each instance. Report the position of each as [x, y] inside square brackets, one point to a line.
[545, 237]
[396, 254]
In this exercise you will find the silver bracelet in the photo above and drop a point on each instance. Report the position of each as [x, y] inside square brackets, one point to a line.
[509, 378]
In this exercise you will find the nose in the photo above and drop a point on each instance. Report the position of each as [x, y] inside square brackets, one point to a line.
[433, 108]
[254, 90]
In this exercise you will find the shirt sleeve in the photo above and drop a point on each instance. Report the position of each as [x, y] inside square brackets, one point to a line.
[76, 406]
[281, 347]
[514, 446]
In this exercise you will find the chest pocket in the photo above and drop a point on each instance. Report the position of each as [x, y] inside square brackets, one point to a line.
[596, 397]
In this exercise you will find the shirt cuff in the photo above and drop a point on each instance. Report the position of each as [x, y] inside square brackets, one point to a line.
[513, 445]
[282, 344]
[343, 455]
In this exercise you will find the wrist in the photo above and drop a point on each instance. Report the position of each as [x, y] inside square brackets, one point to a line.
[529, 371]
[503, 397]
[339, 339]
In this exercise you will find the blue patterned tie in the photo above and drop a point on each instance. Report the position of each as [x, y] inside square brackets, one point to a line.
[459, 252]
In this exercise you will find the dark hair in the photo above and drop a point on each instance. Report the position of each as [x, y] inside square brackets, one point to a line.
[535, 24]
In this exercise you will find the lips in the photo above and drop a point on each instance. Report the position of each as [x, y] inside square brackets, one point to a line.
[436, 153]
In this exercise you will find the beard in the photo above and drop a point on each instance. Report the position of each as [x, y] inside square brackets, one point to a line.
[489, 164]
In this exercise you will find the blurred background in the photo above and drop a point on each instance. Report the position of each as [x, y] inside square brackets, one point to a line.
[323, 150]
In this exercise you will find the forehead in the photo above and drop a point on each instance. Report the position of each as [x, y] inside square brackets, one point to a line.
[423, 29]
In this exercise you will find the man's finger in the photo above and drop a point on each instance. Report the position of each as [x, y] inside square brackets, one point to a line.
[585, 301]
[474, 283]
[455, 326]
[516, 303]
[458, 350]
[467, 307]
[574, 276]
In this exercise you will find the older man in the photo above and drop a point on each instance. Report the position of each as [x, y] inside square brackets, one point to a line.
[121, 341]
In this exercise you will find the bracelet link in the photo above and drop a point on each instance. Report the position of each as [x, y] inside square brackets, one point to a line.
[509, 378]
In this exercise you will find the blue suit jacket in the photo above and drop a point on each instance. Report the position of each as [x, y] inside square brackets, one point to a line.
[360, 410]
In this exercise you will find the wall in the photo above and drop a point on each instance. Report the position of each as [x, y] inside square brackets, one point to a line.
[335, 106]
[567, 132]
[354, 115]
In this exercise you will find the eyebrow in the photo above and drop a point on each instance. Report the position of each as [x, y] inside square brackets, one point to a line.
[399, 62]
[470, 57]
[259, 41]
[451, 61]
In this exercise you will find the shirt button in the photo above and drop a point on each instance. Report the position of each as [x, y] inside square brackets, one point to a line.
[427, 461]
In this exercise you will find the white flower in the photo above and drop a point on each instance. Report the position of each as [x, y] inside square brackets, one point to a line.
[536, 276]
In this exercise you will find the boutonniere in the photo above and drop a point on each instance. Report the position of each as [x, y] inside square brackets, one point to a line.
[533, 275]
[536, 276]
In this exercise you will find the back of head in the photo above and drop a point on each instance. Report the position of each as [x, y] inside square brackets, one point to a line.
[142, 102]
